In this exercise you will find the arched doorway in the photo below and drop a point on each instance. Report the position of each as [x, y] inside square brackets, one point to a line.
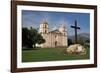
[55, 43]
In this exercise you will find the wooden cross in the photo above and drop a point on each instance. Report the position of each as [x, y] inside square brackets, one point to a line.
[75, 27]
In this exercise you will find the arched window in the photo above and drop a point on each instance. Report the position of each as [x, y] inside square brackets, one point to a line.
[45, 26]
[55, 36]
[45, 31]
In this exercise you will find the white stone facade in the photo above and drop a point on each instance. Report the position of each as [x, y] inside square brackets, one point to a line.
[54, 38]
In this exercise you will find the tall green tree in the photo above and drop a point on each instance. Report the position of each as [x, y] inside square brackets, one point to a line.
[25, 32]
[32, 38]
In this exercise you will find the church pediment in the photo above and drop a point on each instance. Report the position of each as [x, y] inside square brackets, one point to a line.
[55, 31]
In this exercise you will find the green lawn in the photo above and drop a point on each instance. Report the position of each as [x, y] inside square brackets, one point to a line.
[49, 54]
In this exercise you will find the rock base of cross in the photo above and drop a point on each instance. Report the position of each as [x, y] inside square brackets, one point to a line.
[76, 49]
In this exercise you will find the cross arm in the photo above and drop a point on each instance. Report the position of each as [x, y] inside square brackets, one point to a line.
[75, 27]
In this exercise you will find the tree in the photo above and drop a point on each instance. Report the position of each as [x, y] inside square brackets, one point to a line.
[69, 41]
[84, 41]
[32, 38]
[40, 39]
[25, 37]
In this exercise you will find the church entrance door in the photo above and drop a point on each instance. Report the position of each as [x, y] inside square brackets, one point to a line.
[55, 43]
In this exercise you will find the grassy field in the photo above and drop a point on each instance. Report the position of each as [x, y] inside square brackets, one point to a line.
[49, 54]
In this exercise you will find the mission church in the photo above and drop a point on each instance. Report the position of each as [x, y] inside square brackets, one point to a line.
[53, 38]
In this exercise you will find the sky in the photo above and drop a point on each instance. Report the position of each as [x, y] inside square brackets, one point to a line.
[55, 19]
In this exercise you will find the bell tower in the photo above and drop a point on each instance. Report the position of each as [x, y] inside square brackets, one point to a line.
[62, 29]
[64, 37]
[43, 26]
